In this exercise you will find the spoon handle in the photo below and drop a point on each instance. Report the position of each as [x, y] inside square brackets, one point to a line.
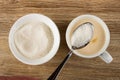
[56, 72]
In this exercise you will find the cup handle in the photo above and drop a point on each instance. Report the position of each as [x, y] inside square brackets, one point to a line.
[105, 56]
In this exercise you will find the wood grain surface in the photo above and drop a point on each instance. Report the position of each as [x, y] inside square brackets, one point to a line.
[62, 12]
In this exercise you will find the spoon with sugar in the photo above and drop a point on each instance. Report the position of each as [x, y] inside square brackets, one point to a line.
[80, 38]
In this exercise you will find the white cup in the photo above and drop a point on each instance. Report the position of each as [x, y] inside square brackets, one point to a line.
[29, 18]
[102, 53]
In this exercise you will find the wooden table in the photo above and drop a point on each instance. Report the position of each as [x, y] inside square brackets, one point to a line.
[62, 12]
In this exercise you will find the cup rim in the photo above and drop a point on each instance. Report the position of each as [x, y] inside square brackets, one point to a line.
[53, 28]
[104, 26]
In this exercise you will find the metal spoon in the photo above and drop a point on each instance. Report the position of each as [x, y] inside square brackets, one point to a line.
[74, 47]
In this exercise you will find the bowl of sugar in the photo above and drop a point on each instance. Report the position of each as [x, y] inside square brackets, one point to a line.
[34, 39]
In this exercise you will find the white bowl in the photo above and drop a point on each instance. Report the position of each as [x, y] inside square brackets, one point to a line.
[34, 17]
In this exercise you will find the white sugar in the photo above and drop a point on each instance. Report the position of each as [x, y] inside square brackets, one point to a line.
[82, 35]
[34, 40]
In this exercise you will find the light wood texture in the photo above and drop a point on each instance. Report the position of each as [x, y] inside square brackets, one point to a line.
[62, 12]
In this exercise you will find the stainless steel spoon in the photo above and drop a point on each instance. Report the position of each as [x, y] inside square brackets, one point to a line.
[74, 47]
